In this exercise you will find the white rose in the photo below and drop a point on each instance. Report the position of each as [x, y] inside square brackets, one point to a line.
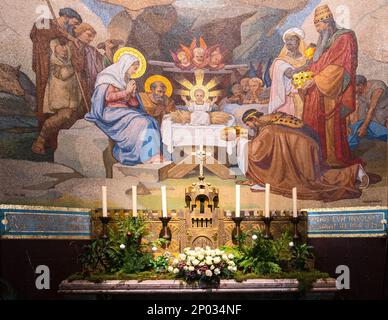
[182, 256]
[185, 268]
[209, 261]
[122, 246]
[209, 273]
[231, 256]
[170, 269]
[195, 262]
[231, 263]
[217, 260]
[212, 267]
[230, 268]
[201, 257]
[176, 270]
[191, 268]
[291, 244]
[175, 262]
[217, 271]
[201, 264]
[198, 249]
[254, 237]
[207, 248]
[198, 271]
[234, 269]
[224, 257]
[218, 252]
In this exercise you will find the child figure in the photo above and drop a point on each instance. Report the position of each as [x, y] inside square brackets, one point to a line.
[199, 108]
[237, 94]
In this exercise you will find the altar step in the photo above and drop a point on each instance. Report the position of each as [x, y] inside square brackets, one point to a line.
[176, 289]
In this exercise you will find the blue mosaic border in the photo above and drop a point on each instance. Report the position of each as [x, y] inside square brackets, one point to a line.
[346, 222]
[44, 222]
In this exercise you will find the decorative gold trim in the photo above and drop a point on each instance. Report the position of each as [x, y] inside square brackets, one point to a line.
[350, 235]
[27, 207]
[339, 209]
[46, 237]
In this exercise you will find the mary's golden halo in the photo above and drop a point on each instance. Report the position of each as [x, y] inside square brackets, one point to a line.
[136, 53]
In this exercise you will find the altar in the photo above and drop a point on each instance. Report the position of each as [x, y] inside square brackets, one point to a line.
[181, 141]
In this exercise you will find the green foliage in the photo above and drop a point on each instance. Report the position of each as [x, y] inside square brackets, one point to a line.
[160, 264]
[300, 255]
[266, 256]
[7, 292]
[140, 276]
[305, 278]
[122, 251]
[258, 256]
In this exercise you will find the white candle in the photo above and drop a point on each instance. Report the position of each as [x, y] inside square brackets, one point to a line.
[134, 201]
[164, 202]
[104, 202]
[237, 200]
[294, 203]
[266, 203]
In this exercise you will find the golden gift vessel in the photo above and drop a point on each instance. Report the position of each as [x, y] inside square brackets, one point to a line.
[299, 79]
[231, 133]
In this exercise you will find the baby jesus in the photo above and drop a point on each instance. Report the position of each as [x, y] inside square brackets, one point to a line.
[199, 108]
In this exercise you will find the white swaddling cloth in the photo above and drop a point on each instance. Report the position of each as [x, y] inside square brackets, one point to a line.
[199, 114]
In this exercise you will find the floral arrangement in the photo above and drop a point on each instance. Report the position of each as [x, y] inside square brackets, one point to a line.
[128, 254]
[203, 265]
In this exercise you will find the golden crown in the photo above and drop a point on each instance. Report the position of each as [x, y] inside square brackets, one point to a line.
[322, 13]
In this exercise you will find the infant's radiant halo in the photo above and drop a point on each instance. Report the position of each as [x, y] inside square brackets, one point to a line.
[136, 53]
[199, 87]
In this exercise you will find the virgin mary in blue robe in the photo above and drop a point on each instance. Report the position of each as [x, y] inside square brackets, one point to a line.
[122, 118]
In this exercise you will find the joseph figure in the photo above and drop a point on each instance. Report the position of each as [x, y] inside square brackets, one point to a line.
[330, 97]
[157, 103]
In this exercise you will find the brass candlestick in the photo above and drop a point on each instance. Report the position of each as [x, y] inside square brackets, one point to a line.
[236, 232]
[165, 233]
[295, 221]
[267, 222]
[105, 221]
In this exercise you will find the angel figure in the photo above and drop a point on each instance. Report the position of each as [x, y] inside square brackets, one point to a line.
[182, 58]
[200, 55]
[215, 58]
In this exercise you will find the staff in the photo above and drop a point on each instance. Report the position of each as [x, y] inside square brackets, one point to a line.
[70, 37]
